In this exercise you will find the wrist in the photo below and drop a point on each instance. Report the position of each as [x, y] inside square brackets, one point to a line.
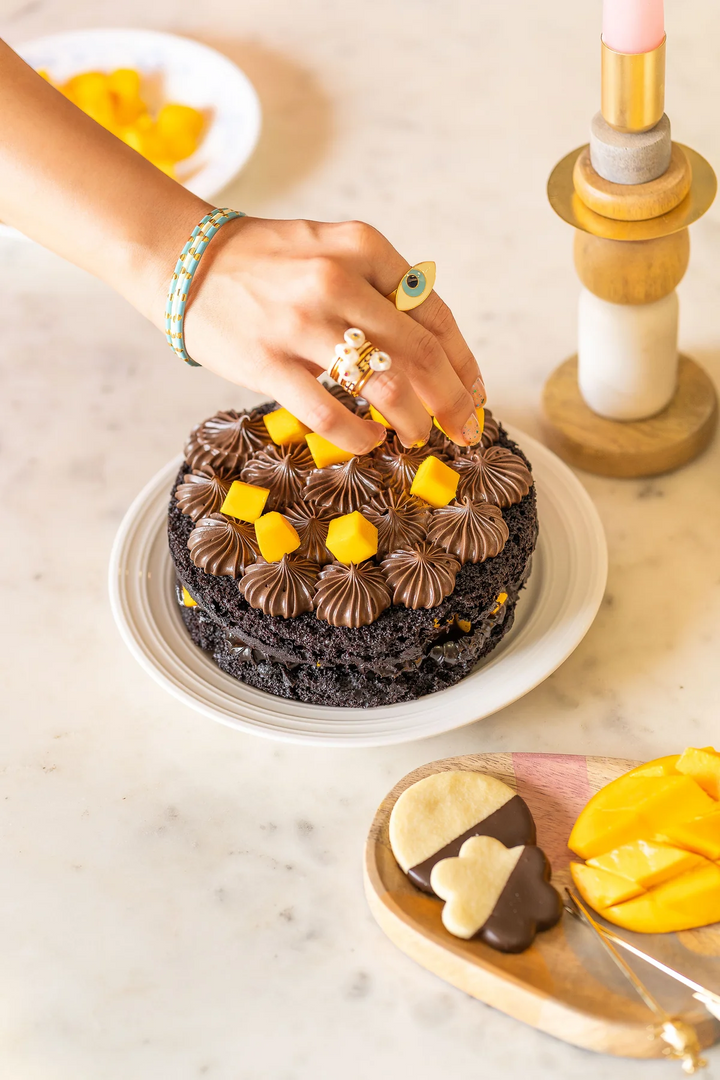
[148, 260]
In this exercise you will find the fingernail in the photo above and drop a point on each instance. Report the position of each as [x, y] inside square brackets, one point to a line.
[478, 392]
[471, 432]
[419, 444]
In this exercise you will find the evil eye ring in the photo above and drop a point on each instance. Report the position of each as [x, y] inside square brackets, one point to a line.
[356, 361]
[415, 286]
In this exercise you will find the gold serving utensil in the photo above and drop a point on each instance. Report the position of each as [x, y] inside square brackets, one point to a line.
[681, 1038]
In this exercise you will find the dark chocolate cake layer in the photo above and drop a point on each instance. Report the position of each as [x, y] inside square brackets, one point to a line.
[406, 653]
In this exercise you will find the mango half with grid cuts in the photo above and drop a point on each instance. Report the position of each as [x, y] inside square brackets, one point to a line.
[651, 844]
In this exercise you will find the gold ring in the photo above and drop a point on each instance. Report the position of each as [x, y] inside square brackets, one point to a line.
[415, 286]
[356, 361]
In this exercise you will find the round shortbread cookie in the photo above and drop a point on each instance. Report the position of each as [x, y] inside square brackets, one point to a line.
[434, 817]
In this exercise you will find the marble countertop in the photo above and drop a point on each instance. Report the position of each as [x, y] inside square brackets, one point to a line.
[178, 900]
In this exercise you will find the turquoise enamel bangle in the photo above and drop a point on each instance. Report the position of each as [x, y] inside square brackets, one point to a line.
[182, 277]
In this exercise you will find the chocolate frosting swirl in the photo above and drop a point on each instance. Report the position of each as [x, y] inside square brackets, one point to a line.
[221, 546]
[400, 519]
[201, 493]
[491, 431]
[351, 595]
[399, 463]
[474, 531]
[282, 469]
[495, 474]
[225, 440]
[282, 588]
[421, 577]
[311, 524]
[344, 487]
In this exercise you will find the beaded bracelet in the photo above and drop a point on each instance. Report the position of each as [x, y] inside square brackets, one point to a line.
[186, 266]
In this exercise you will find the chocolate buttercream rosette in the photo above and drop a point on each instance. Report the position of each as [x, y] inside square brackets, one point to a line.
[401, 519]
[283, 588]
[345, 487]
[474, 531]
[495, 474]
[226, 440]
[281, 469]
[222, 546]
[201, 493]
[421, 577]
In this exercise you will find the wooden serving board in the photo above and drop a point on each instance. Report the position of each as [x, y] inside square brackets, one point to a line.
[564, 984]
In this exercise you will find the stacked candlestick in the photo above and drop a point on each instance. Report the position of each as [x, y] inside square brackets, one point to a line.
[629, 404]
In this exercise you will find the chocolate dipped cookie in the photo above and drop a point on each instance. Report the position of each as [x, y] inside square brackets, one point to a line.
[500, 895]
[348, 581]
[433, 818]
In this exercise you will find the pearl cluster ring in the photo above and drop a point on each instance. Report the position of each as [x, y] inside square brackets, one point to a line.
[356, 360]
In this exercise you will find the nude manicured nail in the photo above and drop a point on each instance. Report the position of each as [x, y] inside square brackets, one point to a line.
[478, 392]
[471, 432]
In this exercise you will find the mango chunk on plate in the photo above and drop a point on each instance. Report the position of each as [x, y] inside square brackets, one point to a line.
[682, 903]
[701, 835]
[601, 888]
[656, 828]
[643, 806]
[646, 863]
[704, 767]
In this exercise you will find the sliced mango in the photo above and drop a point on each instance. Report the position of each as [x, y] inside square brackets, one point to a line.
[601, 888]
[704, 767]
[643, 806]
[701, 835]
[683, 903]
[656, 828]
[647, 863]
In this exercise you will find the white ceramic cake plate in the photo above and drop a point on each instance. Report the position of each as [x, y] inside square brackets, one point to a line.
[554, 612]
[174, 69]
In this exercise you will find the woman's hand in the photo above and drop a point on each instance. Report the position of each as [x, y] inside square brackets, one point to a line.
[271, 299]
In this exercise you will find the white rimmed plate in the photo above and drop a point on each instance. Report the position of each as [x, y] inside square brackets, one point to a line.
[553, 615]
[181, 70]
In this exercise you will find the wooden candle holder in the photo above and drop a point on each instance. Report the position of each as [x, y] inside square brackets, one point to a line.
[628, 404]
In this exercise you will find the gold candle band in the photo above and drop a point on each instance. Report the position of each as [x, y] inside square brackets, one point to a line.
[633, 88]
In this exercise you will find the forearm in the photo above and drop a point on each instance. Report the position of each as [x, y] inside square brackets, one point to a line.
[70, 184]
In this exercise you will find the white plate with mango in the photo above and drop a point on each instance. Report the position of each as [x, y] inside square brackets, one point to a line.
[183, 105]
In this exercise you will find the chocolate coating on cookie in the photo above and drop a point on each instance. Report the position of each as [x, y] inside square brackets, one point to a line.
[512, 824]
[527, 904]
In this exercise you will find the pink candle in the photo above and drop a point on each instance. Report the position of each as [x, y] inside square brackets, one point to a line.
[633, 26]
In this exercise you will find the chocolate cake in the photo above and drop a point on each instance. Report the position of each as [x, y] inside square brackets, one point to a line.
[437, 594]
